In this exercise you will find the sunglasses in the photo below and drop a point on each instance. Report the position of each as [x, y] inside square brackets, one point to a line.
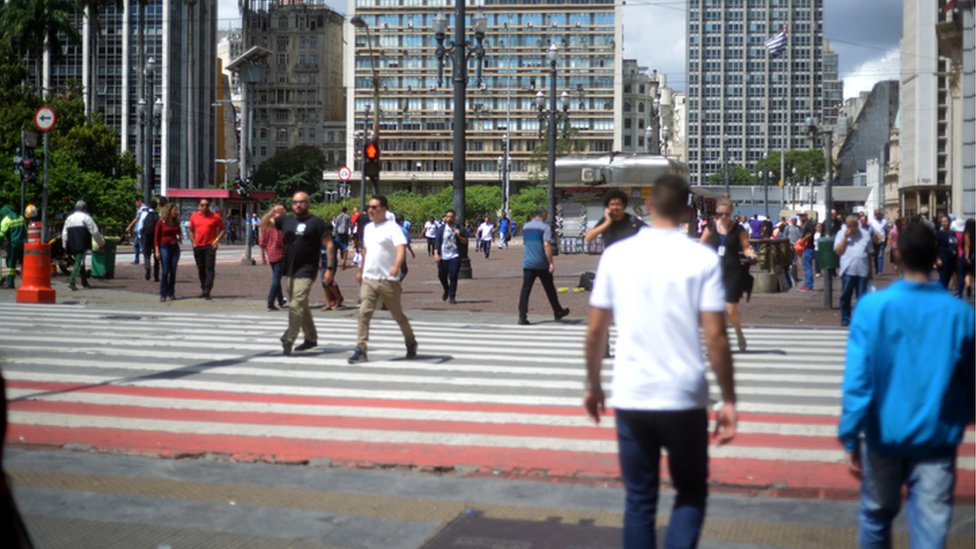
[373, 207]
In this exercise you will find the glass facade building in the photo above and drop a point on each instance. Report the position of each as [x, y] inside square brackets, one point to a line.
[742, 103]
[416, 106]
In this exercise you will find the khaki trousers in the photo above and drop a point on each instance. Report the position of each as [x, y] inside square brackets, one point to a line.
[389, 291]
[299, 315]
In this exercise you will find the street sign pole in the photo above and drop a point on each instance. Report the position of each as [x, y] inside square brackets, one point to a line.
[44, 119]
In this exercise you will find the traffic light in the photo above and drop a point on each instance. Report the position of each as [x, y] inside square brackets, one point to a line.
[371, 159]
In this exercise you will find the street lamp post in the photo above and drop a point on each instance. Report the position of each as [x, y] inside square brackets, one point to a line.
[552, 116]
[460, 50]
[506, 170]
[360, 23]
[146, 105]
[828, 133]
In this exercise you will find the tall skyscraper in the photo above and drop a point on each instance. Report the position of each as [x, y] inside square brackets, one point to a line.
[301, 99]
[743, 102]
[111, 66]
[416, 106]
[833, 86]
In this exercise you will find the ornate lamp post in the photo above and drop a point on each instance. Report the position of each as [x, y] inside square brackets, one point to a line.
[552, 115]
[814, 128]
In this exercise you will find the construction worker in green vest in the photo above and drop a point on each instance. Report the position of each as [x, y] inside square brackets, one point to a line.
[13, 227]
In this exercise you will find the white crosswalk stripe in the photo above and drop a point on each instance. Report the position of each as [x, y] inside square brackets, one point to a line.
[73, 371]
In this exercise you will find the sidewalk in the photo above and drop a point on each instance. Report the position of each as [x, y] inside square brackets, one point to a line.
[82, 500]
[490, 296]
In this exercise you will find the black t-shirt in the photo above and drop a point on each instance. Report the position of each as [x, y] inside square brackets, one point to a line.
[619, 230]
[303, 244]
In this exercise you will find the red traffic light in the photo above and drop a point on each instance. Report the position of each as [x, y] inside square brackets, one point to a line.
[372, 151]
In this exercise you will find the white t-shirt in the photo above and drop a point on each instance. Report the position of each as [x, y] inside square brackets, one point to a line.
[485, 230]
[656, 283]
[381, 242]
[430, 230]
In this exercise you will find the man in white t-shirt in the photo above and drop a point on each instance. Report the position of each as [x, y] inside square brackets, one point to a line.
[384, 251]
[484, 233]
[660, 287]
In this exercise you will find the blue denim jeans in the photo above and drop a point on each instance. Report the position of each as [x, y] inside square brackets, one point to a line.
[808, 267]
[879, 260]
[640, 437]
[274, 293]
[848, 285]
[170, 258]
[930, 482]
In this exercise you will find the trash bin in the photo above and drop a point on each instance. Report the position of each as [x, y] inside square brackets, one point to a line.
[826, 256]
[103, 261]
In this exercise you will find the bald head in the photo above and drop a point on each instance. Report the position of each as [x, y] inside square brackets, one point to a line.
[299, 204]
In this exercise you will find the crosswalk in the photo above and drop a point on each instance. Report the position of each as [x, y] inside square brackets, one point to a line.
[480, 398]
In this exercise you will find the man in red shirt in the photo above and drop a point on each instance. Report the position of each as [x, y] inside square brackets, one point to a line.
[206, 229]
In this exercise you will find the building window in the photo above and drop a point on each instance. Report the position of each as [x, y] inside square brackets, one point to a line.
[627, 141]
[627, 123]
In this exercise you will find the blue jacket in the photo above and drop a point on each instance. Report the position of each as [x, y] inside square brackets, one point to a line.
[909, 384]
[462, 240]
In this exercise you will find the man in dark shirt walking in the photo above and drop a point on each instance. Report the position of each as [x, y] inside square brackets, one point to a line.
[616, 224]
[537, 263]
[303, 241]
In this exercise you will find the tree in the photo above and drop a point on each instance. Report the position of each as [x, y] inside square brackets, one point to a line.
[567, 143]
[32, 26]
[291, 170]
[738, 175]
[809, 163]
[94, 148]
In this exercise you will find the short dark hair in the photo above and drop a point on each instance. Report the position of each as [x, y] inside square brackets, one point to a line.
[382, 200]
[614, 194]
[344, 209]
[918, 247]
[669, 196]
[451, 211]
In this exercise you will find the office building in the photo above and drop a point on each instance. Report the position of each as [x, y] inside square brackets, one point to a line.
[416, 105]
[742, 102]
[933, 82]
[301, 98]
[833, 86]
[110, 64]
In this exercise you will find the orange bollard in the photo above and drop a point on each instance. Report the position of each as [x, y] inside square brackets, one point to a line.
[35, 284]
[34, 231]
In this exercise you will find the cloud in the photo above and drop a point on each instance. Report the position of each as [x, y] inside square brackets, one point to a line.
[867, 74]
[655, 36]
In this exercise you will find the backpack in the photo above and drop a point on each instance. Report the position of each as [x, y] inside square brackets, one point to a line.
[149, 227]
[586, 281]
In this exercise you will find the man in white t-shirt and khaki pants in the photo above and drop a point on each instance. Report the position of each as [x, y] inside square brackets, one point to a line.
[660, 287]
[384, 251]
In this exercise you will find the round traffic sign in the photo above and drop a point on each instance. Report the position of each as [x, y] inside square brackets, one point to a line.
[344, 174]
[44, 118]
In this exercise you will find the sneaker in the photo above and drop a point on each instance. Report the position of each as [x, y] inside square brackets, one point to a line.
[285, 347]
[147, 275]
[306, 345]
[162, 299]
[73, 287]
[561, 314]
[358, 355]
[523, 322]
[804, 289]
[444, 296]
[272, 308]
[412, 350]
[452, 301]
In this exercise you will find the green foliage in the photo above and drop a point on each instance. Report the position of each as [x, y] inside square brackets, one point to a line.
[26, 23]
[479, 200]
[109, 198]
[567, 143]
[291, 170]
[808, 163]
[93, 147]
[738, 175]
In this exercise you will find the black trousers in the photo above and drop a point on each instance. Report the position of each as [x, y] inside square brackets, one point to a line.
[149, 259]
[206, 258]
[528, 279]
[447, 273]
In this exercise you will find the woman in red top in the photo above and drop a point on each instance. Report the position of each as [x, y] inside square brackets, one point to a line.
[272, 242]
[167, 242]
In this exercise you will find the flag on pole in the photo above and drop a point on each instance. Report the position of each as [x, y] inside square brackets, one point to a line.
[777, 42]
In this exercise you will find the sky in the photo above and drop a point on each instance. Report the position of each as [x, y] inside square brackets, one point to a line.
[865, 34]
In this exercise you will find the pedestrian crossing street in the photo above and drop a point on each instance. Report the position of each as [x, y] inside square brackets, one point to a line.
[488, 399]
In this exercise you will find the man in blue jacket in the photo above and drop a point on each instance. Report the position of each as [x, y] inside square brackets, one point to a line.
[908, 395]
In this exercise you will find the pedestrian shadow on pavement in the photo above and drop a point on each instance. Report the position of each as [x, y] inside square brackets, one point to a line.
[437, 359]
[761, 352]
[175, 373]
[474, 529]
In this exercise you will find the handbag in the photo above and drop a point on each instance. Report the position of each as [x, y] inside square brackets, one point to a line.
[801, 245]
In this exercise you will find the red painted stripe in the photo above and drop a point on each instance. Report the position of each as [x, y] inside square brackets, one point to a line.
[759, 440]
[778, 478]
